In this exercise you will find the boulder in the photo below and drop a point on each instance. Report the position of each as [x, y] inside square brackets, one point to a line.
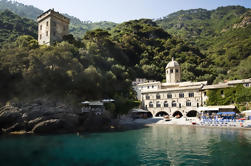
[15, 127]
[9, 117]
[49, 126]
[34, 122]
[71, 120]
[33, 113]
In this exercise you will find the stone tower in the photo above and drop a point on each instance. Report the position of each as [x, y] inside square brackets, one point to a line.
[173, 72]
[52, 26]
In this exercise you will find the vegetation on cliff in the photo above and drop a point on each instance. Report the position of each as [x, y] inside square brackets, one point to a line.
[223, 35]
[239, 95]
[12, 26]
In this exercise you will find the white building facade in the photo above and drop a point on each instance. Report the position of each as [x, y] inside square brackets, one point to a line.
[177, 98]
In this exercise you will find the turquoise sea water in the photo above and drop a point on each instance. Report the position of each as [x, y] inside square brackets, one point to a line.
[157, 145]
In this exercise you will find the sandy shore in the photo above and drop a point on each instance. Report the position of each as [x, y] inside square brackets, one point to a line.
[193, 122]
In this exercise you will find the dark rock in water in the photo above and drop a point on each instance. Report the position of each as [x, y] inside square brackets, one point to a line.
[49, 126]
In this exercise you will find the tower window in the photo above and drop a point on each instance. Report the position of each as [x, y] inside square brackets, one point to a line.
[147, 97]
[222, 92]
[171, 70]
[158, 96]
[47, 23]
[41, 27]
[46, 33]
[40, 36]
[176, 70]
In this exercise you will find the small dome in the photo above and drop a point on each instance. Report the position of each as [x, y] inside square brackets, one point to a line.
[173, 63]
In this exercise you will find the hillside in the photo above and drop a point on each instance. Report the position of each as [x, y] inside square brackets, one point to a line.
[12, 26]
[20, 9]
[222, 37]
[150, 48]
[199, 24]
[77, 27]
[224, 34]
[103, 65]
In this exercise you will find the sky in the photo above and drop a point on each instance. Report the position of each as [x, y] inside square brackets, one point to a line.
[123, 10]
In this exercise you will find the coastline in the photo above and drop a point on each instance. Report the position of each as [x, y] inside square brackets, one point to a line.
[216, 127]
[178, 122]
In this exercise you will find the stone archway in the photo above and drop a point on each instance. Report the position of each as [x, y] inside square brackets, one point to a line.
[192, 113]
[161, 114]
[149, 114]
[177, 114]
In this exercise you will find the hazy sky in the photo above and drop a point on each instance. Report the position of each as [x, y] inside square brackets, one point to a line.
[124, 10]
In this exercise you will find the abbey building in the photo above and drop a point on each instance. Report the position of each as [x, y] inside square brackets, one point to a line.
[176, 98]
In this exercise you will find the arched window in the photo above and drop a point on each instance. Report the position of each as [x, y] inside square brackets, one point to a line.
[181, 95]
[173, 103]
[158, 104]
[151, 105]
[165, 104]
[188, 103]
[157, 96]
[169, 95]
[147, 97]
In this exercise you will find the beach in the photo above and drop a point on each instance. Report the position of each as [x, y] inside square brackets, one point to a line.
[185, 122]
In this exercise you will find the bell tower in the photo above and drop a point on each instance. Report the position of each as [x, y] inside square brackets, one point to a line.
[173, 72]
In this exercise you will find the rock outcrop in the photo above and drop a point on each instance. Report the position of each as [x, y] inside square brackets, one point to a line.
[245, 21]
[42, 117]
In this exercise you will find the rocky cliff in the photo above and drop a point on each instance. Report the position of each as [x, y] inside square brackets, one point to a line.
[44, 117]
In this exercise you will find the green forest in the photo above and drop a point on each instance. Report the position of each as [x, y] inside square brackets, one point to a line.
[102, 64]
[100, 60]
[223, 35]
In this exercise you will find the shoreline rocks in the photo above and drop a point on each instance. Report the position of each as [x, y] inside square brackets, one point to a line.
[45, 117]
